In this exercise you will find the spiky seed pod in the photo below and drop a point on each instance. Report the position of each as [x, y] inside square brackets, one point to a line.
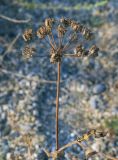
[28, 52]
[49, 22]
[28, 34]
[94, 50]
[87, 33]
[66, 22]
[61, 30]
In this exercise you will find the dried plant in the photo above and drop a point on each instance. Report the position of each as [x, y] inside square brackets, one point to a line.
[63, 38]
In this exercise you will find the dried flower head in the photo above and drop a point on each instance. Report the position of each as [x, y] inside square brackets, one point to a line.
[28, 52]
[76, 26]
[87, 33]
[94, 50]
[86, 136]
[61, 30]
[55, 56]
[28, 34]
[42, 32]
[66, 22]
[70, 41]
[49, 22]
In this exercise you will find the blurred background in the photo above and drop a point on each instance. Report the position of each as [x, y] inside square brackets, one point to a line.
[89, 87]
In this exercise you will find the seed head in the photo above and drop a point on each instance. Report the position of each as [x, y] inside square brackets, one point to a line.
[76, 26]
[55, 56]
[42, 32]
[28, 52]
[94, 50]
[61, 30]
[28, 34]
[79, 50]
[66, 22]
[49, 22]
[87, 33]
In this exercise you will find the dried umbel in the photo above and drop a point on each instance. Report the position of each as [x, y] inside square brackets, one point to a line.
[42, 32]
[28, 52]
[52, 28]
[49, 22]
[94, 50]
[76, 26]
[87, 33]
[66, 22]
[96, 133]
[55, 56]
[61, 30]
[28, 34]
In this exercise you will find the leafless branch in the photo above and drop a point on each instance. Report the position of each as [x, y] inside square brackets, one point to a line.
[36, 79]
[10, 46]
[14, 20]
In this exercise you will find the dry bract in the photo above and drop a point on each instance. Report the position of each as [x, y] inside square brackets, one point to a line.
[60, 27]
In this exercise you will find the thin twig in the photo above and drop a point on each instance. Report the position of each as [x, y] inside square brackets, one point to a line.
[53, 40]
[50, 41]
[56, 153]
[36, 79]
[14, 20]
[10, 46]
[70, 144]
[71, 55]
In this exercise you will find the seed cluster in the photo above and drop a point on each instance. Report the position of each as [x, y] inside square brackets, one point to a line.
[97, 133]
[28, 34]
[28, 52]
[56, 34]
[55, 55]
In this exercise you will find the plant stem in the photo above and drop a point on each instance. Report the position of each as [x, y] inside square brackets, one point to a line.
[57, 103]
